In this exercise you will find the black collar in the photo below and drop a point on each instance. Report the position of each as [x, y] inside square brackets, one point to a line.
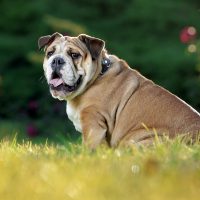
[105, 65]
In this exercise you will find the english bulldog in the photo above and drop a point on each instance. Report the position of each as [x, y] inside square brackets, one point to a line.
[107, 101]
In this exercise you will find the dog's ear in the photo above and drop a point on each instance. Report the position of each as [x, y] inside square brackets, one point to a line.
[94, 45]
[47, 40]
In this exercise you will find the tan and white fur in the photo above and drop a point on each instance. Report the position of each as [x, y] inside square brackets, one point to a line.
[119, 107]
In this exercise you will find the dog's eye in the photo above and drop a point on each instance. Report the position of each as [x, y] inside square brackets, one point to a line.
[50, 53]
[75, 55]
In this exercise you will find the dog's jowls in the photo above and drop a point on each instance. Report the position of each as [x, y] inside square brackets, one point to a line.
[108, 101]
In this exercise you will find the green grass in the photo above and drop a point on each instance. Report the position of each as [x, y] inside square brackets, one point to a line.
[164, 171]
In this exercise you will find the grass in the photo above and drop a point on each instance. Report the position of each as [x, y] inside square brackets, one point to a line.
[164, 171]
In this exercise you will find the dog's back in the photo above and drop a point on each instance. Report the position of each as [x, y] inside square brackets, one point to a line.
[152, 109]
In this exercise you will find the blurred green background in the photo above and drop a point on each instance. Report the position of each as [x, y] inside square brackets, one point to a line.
[145, 33]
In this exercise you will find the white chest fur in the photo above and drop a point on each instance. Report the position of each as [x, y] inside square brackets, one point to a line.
[74, 116]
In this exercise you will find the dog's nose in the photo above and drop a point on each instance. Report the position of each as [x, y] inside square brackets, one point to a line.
[57, 63]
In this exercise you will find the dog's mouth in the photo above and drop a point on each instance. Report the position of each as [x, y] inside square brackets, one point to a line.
[57, 83]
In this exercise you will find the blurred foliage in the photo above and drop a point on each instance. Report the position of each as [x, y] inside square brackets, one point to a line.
[142, 32]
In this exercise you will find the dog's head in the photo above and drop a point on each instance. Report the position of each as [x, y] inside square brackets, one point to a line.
[71, 63]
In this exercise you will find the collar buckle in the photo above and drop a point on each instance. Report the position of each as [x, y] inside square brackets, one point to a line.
[105, 65]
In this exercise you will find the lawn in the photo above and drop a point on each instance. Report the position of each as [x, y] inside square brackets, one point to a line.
[164, 171]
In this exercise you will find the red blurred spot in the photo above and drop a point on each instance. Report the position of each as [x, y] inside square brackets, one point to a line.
[32, 130]
[187, 34]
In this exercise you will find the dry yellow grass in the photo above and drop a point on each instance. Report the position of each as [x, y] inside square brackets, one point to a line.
[34, 172]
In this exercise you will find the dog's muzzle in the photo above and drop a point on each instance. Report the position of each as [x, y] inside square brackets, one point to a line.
[57, 64]
[56, 82]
